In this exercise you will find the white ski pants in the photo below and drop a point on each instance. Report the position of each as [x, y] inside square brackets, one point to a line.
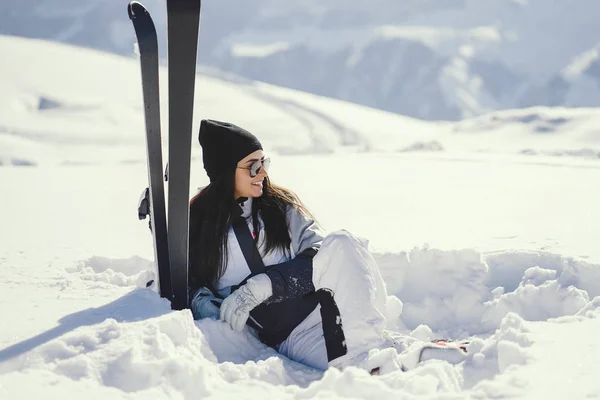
[345, 267]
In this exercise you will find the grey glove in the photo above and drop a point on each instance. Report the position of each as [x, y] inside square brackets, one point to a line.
[203, 304]
[237, 306]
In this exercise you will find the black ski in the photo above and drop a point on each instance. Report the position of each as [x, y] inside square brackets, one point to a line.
[183, 22]
[153, 201]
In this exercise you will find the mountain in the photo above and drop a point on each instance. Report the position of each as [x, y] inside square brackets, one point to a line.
[63, 104]
[433, 59]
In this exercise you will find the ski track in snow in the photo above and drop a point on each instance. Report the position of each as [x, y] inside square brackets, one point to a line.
[319, 125]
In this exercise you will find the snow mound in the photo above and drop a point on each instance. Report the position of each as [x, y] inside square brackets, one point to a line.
[134, 271]
[136, 346]
[505, 349]
[539, 119]
[130, 356]
[432, 293]
[463, 293]
[544, 131]
[423, 146]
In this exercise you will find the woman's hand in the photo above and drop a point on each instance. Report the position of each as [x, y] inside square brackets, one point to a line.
[236, 308]
[203, 304]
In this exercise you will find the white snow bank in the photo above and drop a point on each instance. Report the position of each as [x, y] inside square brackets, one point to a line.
[555, 131]
[137, 346]
[464, 293]
[130, 272]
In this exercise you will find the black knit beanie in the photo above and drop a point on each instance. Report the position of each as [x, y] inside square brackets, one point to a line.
[223, 146]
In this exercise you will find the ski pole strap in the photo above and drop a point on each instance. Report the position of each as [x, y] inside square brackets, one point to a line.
[246, 241]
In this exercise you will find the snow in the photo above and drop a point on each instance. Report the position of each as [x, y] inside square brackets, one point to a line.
[483, 229]
[440, 37]
[250, 50]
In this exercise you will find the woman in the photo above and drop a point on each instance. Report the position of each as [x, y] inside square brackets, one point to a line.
[258, 258]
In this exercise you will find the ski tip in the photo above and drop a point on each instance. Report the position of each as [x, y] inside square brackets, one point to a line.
[135, 7]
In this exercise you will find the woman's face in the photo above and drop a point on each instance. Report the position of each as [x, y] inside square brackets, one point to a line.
[245, 185]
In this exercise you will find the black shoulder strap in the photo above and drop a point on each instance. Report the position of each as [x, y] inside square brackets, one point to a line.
[247, 244]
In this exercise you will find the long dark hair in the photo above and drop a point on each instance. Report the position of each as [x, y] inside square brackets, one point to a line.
[210, 219]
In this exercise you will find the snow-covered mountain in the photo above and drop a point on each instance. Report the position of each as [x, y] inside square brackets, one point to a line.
[62, 104]
[434, 59]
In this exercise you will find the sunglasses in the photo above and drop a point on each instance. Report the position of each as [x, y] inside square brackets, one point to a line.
[257, 166]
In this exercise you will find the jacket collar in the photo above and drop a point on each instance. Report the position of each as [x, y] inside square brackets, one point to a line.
[245, 204]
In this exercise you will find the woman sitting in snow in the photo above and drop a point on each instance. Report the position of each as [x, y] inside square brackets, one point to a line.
[258, 258]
